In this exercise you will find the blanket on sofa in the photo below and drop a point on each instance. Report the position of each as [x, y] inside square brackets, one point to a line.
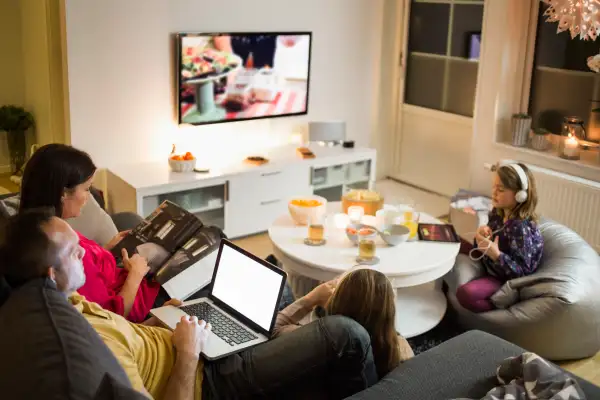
[529, 376]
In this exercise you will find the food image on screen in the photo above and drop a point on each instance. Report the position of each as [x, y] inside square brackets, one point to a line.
[228, 77]
[437, 233]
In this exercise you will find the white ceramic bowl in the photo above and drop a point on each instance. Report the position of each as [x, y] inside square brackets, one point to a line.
[182, 165]
[303, 214]
[393, 235]
[354, 237]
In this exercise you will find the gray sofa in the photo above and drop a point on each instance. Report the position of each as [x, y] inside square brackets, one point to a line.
[554, 312]
[462, 367]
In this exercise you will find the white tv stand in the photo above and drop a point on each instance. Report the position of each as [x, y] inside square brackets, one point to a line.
[242, 199]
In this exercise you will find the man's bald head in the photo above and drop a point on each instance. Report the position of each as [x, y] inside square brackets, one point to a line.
[37, 244]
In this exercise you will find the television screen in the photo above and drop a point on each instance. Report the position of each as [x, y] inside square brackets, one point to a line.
[241, 76]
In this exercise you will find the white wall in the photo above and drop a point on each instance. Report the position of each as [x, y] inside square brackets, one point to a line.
[120, 68]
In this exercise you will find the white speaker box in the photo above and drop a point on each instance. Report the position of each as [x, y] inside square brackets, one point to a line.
[326, 131]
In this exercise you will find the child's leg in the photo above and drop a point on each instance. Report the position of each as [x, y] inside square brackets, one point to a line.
[475, 295]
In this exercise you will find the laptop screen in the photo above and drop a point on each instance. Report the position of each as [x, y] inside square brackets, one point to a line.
[247, 286]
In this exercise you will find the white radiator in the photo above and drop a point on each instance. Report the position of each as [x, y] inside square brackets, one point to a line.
[569, 200]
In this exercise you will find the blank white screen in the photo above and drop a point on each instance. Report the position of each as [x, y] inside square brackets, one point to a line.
[247, 286]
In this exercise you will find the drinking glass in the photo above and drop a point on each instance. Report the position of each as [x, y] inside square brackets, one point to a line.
[411, 221]
[316, 229]
[366, 244]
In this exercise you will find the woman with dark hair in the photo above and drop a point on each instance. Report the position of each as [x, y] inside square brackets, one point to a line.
[60, 177]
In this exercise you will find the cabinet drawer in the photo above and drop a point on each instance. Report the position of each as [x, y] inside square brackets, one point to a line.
[254, 217]
[359, 171]
[279, 184]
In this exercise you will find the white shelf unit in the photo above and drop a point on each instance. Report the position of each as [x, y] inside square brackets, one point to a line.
[240, 198]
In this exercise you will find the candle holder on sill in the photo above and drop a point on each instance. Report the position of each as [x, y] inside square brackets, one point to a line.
[568, 148]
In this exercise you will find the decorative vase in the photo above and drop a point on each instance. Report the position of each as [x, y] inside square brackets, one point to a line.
[16, 147]
[520, 124]
[539, 140]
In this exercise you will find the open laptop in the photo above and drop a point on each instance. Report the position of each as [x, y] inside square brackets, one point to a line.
[241, 305]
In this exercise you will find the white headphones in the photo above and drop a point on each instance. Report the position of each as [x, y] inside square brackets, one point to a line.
[521, 195]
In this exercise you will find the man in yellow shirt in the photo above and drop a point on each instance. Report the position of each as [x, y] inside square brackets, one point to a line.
[332, 356]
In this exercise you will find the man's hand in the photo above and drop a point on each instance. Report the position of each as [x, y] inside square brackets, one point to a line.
[320, 295]
[136, 265]
[190, 336]
[115, 240]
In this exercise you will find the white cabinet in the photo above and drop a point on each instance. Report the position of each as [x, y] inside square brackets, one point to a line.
[256, 198]
[242, 199]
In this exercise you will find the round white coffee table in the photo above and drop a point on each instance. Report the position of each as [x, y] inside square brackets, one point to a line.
[414, 267]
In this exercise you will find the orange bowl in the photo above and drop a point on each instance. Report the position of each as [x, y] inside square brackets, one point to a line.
[303, 209]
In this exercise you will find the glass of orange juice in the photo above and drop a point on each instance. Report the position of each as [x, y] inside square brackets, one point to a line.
[316, 230]
[411, 221]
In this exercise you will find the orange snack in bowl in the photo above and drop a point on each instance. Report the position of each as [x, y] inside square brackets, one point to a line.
[188, 156]
[306, 202]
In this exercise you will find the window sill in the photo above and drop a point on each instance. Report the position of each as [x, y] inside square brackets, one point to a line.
[589, 161]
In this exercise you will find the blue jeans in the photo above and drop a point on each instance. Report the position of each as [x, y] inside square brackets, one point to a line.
[330, 357]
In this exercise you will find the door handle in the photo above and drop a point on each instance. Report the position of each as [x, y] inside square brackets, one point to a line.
[265, 203]
[270, 173]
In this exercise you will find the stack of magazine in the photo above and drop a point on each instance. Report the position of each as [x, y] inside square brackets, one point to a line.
[179, 248]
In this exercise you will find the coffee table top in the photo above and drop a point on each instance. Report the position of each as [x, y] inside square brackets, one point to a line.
[339, 254]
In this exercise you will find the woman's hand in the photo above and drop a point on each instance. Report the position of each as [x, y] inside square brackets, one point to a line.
[173, 302]
[136, 265]
[115, 240]
[320, 295]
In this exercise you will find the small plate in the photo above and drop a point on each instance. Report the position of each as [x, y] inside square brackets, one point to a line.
[368, 261]
[309, 242]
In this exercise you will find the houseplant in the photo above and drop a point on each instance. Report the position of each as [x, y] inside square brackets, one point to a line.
[15, 121]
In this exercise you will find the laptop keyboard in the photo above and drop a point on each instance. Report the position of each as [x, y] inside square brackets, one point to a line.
[222, 326]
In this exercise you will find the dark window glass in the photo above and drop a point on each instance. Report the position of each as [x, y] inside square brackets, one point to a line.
[562, 84]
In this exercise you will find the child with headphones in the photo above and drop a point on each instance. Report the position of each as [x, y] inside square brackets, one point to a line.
[510, 245]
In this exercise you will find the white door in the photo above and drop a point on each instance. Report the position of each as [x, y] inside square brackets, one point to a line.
[439, 65]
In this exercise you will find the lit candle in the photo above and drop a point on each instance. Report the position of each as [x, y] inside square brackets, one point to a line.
[341, 221]
[356, 213]
[571, 147]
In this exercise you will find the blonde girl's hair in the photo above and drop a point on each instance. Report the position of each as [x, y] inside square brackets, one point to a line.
[511, 181]
[367, 296]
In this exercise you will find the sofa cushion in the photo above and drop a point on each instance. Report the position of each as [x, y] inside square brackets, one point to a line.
[463, 367]
[49, 351]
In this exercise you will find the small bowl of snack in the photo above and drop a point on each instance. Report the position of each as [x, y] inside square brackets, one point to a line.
[395, 234]
[182, 163]
[303, 209]
[356, 231]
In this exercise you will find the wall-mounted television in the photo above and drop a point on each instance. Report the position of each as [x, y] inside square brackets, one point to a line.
[223, 77]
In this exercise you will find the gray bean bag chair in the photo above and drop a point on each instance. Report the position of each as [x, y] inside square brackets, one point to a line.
[554, 312]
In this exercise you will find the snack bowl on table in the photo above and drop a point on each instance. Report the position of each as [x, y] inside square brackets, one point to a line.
[352, 231]
[182, 165]
[395, 234]
[304, 208]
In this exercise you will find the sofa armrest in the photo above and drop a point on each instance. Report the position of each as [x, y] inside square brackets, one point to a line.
[464, 366]
[125, 221]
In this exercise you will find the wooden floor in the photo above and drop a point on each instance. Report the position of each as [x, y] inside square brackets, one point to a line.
[260, 245]
[588, 369]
